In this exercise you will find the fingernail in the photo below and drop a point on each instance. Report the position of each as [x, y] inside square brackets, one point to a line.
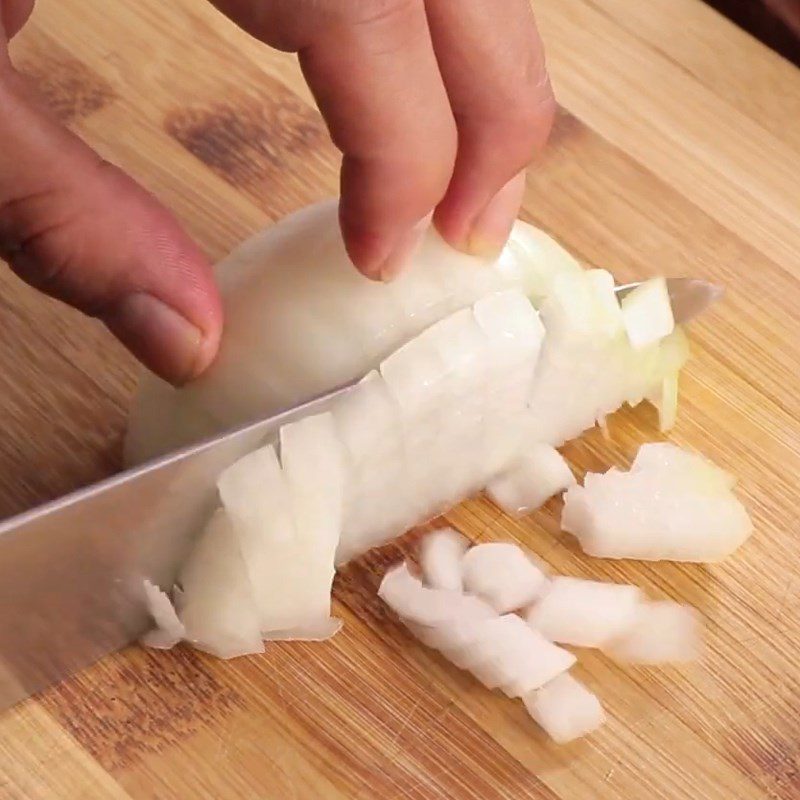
[404, 250]
[492, 227]
[158, 335]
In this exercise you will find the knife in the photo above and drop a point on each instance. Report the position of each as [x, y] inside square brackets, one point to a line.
[72, 570]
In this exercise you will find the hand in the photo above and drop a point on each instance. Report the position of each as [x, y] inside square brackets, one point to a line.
[435, 105]
[79, 229]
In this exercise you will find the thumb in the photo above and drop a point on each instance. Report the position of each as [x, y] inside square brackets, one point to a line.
[82, 231]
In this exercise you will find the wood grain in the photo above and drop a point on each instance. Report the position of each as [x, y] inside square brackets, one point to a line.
[676, 151]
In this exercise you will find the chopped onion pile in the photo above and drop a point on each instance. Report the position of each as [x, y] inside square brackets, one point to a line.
[520, 656]
[535, 477]
[673, 504]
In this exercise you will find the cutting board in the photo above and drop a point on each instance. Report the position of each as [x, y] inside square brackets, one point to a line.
[677, 151]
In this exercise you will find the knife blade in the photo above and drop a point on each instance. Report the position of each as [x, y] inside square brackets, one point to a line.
[72, 570]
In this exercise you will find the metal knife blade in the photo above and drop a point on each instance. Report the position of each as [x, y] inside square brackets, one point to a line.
[71, 571]
[687, 296]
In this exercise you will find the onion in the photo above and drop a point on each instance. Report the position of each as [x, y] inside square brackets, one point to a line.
[647, 313]
[440, 558]
[301, 321]
[536, 476]
[565, 708]
[585, 613]
[587, 368]
[218, 610]
[664, 632]
[503, 575]
[466, 376]
[500, 650]
[541, 662]
[671, 505]
[169, 629]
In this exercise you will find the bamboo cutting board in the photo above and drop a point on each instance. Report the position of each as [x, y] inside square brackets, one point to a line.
[677, 151]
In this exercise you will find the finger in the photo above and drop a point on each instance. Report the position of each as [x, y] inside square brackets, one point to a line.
[373, 72]
[13, 15]
[492, 62]
[82, 231]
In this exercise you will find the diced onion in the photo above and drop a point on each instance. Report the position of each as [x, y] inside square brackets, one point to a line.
[664, 632]
[585, 613]
[218, 610]
[503, 575]
[440, 559]
[671, 505]
[565, 708]
[647, 313]
[168, 629]
[536, 476]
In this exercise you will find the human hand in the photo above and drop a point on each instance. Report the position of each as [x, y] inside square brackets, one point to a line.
[81, 230]
[432, 109]
[435, 104]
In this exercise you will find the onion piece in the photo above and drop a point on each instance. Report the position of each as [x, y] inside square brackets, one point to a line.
[419, 605]
[671, 505]
[168, 630]
[540, 473]
[664, 632]
[440, 559]
[647, 313]
[218, 610]
[585, 613]
[565, 709]
[503, 575]
[540, 663]
[302, 573]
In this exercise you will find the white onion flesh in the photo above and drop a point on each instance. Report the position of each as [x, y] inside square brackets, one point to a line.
[301, 321]
[539, 474]
[647, 313]
[664, 632]
[217, 607]
[168, 630]
[565, 709]
[503, 575]
[587, 368]
[440, 559]
[585, 613]
[672, 505]
[500, 650]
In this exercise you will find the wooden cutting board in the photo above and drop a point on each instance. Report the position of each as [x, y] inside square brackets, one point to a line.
[677, 151]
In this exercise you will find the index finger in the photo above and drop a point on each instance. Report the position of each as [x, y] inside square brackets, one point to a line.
[378, 86]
